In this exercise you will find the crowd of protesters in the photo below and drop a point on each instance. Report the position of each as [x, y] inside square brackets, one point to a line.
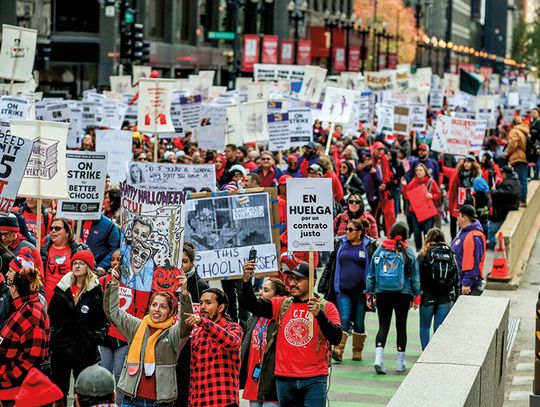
[59, 307]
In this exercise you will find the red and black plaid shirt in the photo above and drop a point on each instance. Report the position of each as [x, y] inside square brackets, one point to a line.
[340, 224]
[215, 363]
[24, 340]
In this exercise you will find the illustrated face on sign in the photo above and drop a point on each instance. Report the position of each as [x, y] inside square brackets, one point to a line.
[166, 279]
[140, 254]
[135, 174]
[203, 223]
[140, 231]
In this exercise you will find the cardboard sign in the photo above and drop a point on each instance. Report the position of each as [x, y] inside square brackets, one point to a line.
[418, 120]
[310, 224]
[383, 80]
[14, 154]
[86, 172]
[212, 131]
[338, 105]
[300, 127]
[453, 135]
[117, 143]
[45, 174]
[154, 106]
[423, 207]
[254, 121]
[313, 84]
[17, 52]
[14, 108]
[401, 120]
[278, 131]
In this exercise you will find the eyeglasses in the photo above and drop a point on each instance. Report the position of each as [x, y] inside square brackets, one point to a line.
[56, 228]
[354, 202]
[350, 230]
[142, 159]
[5, 234]
[204, 218]
[265, 159]
[295, 279]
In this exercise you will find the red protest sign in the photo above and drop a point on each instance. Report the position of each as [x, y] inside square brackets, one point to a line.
[423, 207]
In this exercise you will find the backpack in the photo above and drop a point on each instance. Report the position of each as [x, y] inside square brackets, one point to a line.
[442, 261]
[531, 150]
[389, 270]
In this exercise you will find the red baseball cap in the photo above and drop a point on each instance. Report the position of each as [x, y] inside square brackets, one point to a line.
[378, 145]
[424, 147]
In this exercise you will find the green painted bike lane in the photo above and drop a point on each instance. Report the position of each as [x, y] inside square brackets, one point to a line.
[355, 384]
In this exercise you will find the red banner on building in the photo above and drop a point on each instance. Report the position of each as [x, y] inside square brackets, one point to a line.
[287, 56]
[303, 52]
[354, 59]
[392, 60]
[270, 49]
[339, 59]
[250, 56]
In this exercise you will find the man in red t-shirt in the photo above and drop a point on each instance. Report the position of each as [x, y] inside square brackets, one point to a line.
[302, 360]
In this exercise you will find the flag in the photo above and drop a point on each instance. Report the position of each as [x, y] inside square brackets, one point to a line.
[469, 82]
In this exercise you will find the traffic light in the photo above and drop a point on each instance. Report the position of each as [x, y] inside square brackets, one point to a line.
[145, 59]
[137, 36]
[126, 44]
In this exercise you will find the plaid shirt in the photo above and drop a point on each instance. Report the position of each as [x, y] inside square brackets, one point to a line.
[215, 363]
[340, 224]
[24, 340]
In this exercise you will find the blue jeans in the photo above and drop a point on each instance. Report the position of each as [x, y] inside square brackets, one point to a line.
[352, 310]
[419, 228]
[493, 228]
[113, 361]
[429, 312]
[143, 403]
[309, 392]
[522, 171]
[397, 200]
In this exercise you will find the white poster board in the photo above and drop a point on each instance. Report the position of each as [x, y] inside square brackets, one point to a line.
[139, 72]
[278, 131]
[254, 121]
[310, 217]
[86, 172]
[154, 108]
[120, 84]
[417, 112]
[117, 143]
[313, 84]
[17, 52]
[300, 127]
[213, 127]
[338, 105]
[14, 108]
[453, 135]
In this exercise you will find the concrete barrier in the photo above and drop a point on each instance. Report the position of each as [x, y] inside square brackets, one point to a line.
[519, 230]
[465, 361]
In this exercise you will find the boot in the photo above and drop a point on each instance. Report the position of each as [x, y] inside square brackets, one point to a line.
[379, 363]
[401, 366]
[337, 353]
[358, 345]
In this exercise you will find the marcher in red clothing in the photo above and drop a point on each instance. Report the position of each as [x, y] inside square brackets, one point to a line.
[386, 203]
[215, 353]
[422, 177]
[25, 336]
[267, 171]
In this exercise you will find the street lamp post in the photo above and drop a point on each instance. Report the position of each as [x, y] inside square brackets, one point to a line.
[364, 34]
[348, 25]
[330, 23]
[297, 13]
[379, 35]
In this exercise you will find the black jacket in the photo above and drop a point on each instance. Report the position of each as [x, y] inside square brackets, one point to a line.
[535, 131]
[5, 302]
[267, 382]
[505, 198]
[77, 329]
[352, 184]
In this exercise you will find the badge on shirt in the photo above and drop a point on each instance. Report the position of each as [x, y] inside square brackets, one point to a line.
[362, 254]
[85, 309]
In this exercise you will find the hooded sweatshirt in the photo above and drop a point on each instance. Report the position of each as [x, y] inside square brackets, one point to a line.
[470, 248]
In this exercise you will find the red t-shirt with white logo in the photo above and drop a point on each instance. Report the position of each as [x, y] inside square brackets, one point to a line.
[296, 354]
[256, 350]
[57, 266]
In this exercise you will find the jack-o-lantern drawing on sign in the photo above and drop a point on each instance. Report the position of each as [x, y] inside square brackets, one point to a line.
[166, 278]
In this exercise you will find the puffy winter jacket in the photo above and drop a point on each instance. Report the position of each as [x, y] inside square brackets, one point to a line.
[517, 144]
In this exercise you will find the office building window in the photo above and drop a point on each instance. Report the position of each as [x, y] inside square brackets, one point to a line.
[156, 18]
[79, 16]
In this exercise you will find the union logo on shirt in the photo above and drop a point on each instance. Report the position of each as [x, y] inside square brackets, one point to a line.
[297, 332]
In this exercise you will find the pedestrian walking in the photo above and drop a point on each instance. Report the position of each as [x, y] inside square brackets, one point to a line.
[355, 210]
[516, 154]
[393, 278]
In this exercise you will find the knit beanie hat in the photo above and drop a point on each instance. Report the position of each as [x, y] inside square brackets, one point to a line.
[9, 223]
[86, 256]
[37, 390]
[25, 258]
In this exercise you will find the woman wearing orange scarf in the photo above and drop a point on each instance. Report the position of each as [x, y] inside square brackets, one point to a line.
[149, 375]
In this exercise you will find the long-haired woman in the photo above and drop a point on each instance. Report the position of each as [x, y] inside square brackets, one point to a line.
[439, 281]
[260, 393]
[149, 374]
[393, 262]
[78, 323]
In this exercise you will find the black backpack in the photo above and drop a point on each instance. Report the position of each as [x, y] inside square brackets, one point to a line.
[531, 150]
[444, 272]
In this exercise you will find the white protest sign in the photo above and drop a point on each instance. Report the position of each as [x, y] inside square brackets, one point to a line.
[234, 125]
[272, 72]
[383, 80]
[278, 131]
[113, 114]
[257, 91]
[254, 121]
[403, 75]
[385, 115]
[401, 120]
[300, 127]
[450, 84]
[453, 135]
[313, 83]
[364, 108]
[14, 154]
[75, 128]
[86, 172]
[191, 111]
[24, 89]
[17, 52]
[194, 178]
[14, 108]
[154, 108]
[139, 72]
[212, 131]
[310, 224]
[418, 117]
[45, 174]
[120, 84]
[479, 133]
[485, 109]
[512, 99]
[117, 143]
[436, 99]
[338, 105]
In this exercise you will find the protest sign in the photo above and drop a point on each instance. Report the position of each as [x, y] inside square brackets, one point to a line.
[139, 72]
[14, 108]
[424, 208]
[188, 178]
[436, 99]
[86, 172]
[254, 121]
[155, 106]
[485, 109]
[385, 114]
[234, 125]
[45, 174]
[120, 84]
[417, 112]
[212, 131]
[113, 114]
[89, 114]
[300, 127]
[450, 84]
[422, 81]
[313, 84]
[403, 74]
[224, 229]
[118, 144]
[277, 106]
[278, 131]
[453, 135]
[75, 128]
[17, 52]
[191, 111]
[383, 80]
[153, 233]
[271, 72]
[257, 91]
[401, 120]
[364, 108]
[479, 133]
[310, 224]
[338, 105]
[14, 154]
